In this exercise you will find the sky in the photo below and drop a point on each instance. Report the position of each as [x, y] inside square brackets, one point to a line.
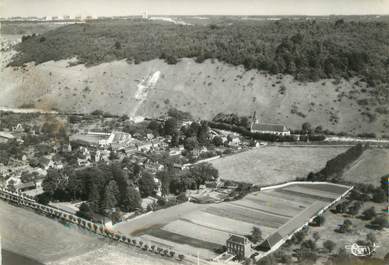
[191, 7]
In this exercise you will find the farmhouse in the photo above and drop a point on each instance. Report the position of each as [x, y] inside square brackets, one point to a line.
[238, 246]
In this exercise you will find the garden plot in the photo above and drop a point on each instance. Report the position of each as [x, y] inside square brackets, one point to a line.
[227, 225]
[182, 239]
[180, 247]
[249, 204]
[312, 192]
[197, 231]
[279, 206]
[282, 205]
[292, 198]
[313, 197]
[333, 188]
[249, 216]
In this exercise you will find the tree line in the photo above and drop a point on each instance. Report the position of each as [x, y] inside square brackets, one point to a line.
[308, 50]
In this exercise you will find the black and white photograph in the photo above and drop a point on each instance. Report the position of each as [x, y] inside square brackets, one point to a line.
[194, 132]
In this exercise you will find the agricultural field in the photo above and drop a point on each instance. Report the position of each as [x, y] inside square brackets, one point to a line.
[274, 164]
[205, 230]
[25, 233]
[369, 168]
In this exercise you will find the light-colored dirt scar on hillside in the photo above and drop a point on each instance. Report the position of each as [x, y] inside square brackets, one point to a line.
[144, 87]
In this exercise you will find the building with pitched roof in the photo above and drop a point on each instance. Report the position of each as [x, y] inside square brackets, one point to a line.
[268, 128]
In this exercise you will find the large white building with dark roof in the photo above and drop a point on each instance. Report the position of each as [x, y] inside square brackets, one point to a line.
[268, 128]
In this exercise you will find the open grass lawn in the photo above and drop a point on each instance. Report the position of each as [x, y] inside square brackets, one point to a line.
[274, 164]
[369, 168]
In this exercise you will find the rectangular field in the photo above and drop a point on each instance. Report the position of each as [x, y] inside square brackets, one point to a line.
[181, 239]
[246, 215]
[274, 164]
[369, 168]
[196, 231]
[227, 225]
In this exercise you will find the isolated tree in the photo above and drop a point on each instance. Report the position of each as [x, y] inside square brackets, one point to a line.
[341, 207]
[370, 237]
[329, 245]
[217, 140]
[175, 141]
[154, 126]
[319, 220]
[256, 235]
[299, 236]
[170, 126]
[347, 224]
[147, 185]
[203, 133]
[306, 127]
[309, 244]
[118, 45]
[385, 182]
[379, 196]
[316, 236]
[84, 212]
[369, 213]
[111, 195]
[380, 222]
[131, 200]
[94, 198]
[191, 143]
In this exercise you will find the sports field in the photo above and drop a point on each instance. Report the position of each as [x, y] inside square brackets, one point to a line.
[274, 164]
[205, 229]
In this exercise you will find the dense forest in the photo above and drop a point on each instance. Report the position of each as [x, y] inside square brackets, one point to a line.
[308, 50]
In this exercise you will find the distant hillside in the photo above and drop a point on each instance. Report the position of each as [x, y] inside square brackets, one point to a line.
[307, 50]
[332, 73]
[204, 89]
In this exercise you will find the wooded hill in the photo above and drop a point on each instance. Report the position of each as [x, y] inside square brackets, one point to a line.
[308, 50]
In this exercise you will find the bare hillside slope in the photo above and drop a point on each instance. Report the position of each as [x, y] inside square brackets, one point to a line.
[204, 89]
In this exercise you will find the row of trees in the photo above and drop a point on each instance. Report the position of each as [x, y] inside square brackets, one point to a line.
[334, 167]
